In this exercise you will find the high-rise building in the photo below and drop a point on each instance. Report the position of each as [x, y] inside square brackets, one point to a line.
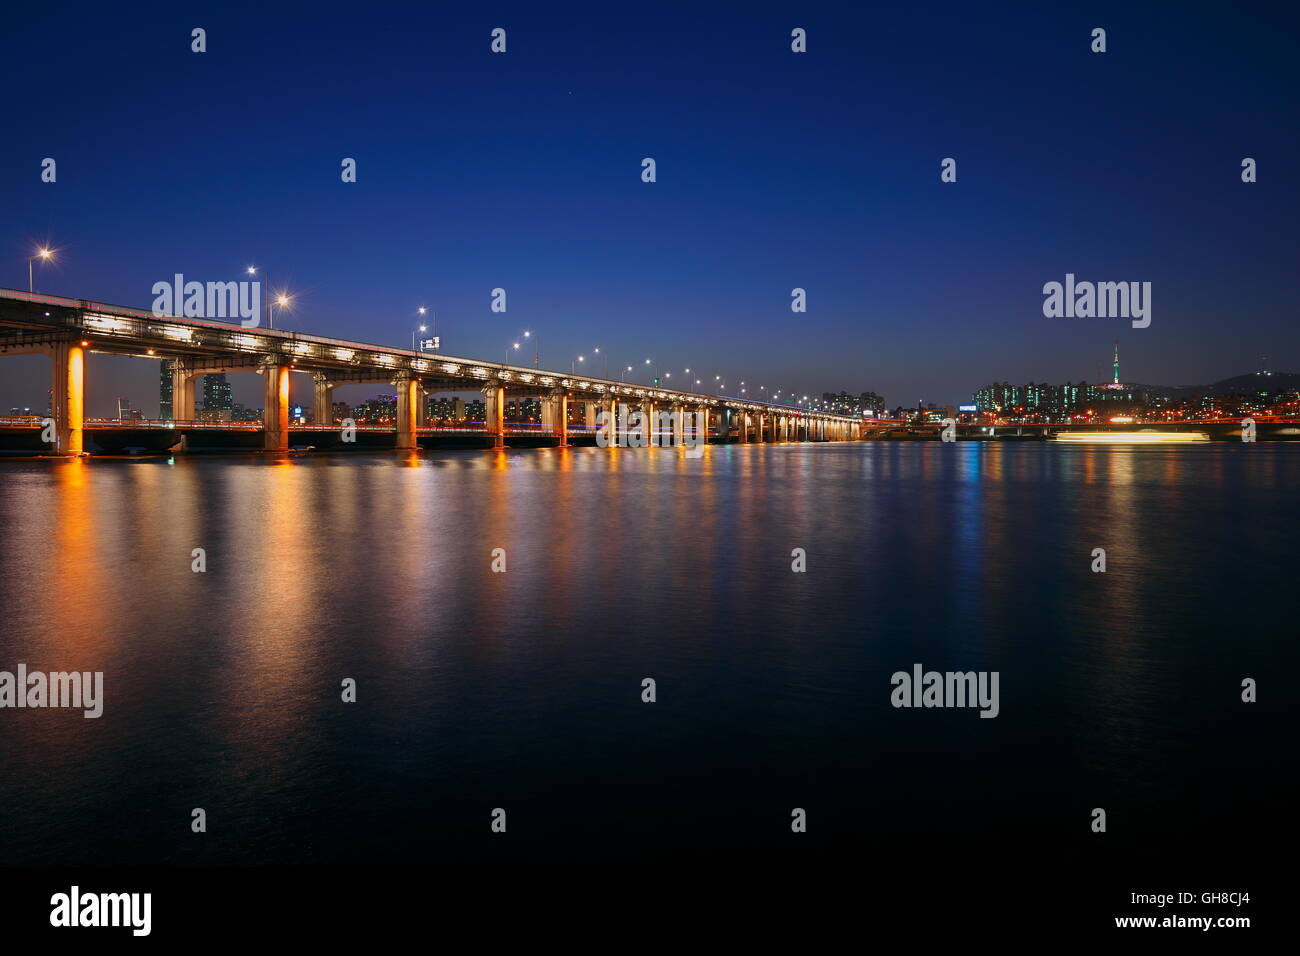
[216, 394]
[165, 390]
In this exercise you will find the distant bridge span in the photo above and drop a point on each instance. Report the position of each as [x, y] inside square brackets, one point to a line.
[66, 330]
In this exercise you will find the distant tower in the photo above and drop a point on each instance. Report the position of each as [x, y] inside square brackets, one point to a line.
[1117, 361]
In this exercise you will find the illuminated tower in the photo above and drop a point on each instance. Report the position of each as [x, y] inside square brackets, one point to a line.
[1117, 361]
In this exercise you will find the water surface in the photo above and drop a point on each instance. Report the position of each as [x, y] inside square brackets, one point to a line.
[522, 690]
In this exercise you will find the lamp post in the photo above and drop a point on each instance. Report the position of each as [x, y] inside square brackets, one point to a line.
[580, 358]
[45, 254]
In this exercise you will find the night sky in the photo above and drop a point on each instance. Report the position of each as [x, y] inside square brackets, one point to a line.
[775, 170]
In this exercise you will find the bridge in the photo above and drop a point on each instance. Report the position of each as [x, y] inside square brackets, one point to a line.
[68, 330]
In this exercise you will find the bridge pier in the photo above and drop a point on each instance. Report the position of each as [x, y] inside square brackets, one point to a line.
[421, 405]
[555, 416]
[323, 413]
[183, 377]
[494, 409]
[275, 410]
[68, 397]
[407, 412]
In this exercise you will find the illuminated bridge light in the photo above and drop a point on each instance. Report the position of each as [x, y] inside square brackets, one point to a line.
[526, 378]
[420, 364]
[453, 369]
[1132, 438]
[177, 333]
[479, 372]
[105, 323]
[344, 354]
[547, 380]
[384, 359]
[245, 342]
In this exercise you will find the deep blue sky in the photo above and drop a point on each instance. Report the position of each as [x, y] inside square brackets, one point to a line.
[775, 170]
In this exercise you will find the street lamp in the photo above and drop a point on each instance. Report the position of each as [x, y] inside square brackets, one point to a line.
[580, 358]
[45, 254]
[537, 347]
[252, 271]
[283, 301]
[422, 330]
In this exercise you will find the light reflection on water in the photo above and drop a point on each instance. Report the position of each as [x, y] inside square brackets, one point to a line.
[522, 689]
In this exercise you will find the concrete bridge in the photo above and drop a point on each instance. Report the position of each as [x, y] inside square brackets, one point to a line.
[68, 330]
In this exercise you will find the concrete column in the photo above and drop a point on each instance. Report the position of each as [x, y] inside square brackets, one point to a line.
[703, 410]
[494, 408]
[555, 415]
[67, 404]
[679, 414]
[762, 421]
[323, 413]
[183, 377]
[407, 412]
[421, 405]
[744, 427]
[590, 409]
[275, 407]
[648, 410]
